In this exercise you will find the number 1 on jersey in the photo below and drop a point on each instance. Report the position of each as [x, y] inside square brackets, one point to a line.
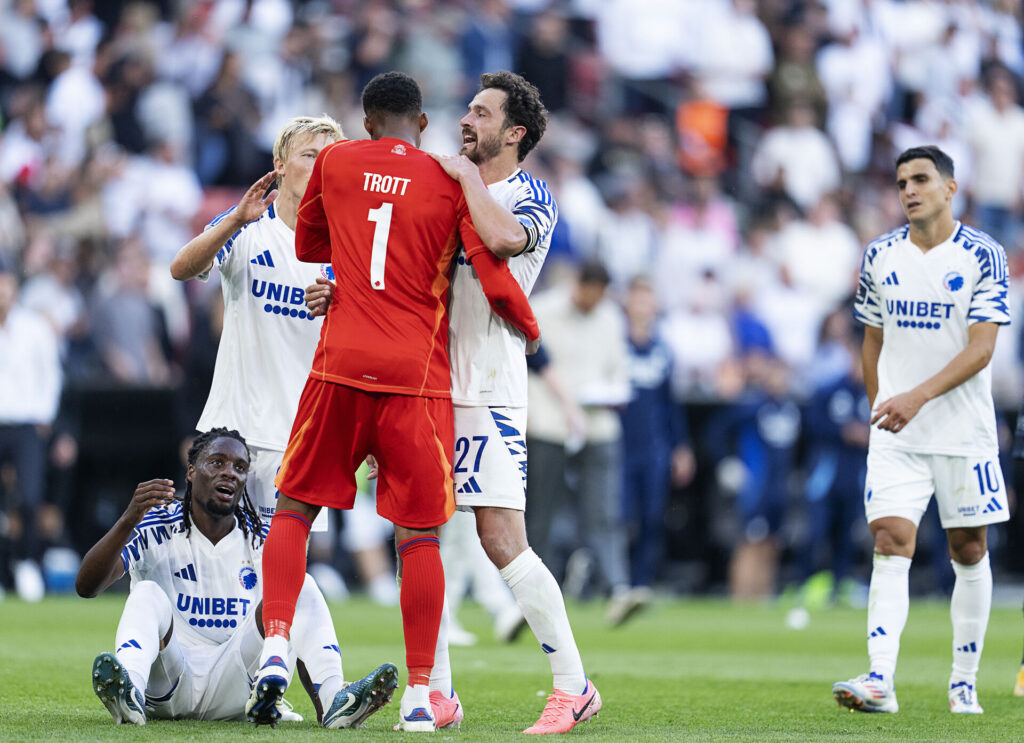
[381, 217]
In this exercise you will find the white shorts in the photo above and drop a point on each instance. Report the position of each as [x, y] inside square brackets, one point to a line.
[214, 683]
[263, 467]
[969, 491]
[490, 457]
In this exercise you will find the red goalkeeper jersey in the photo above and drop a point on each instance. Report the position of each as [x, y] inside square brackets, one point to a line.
[389, 220]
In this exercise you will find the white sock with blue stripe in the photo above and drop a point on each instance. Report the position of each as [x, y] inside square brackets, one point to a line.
[145, 621]
[541, 602]
[969, 609]
[315, 642]
[888, 606]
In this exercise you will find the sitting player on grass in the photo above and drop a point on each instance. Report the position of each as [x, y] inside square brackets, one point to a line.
[190, 636]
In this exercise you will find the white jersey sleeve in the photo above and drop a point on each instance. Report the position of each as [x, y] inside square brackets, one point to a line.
[212, 587]
[925, 302]
[488, 355]
[989, 303]
[268, 341]
[534, 208]
[866, 307]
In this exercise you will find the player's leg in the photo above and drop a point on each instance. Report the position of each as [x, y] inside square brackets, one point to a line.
[318, 469]
[120, 679]
[969, 610]
[970, 495]
[575, 699]
[316, 644]
[498, 465]
[422, 603]
[899, 486]
[414, 443]
[457, 540]
[284, 571]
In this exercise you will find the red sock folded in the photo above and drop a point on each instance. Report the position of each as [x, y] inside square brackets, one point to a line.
[284, 570]
[422, 599]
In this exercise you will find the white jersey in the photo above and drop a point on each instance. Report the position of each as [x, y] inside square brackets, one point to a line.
[488, 355]
[266, 348]
[213, 587]
[925, 302]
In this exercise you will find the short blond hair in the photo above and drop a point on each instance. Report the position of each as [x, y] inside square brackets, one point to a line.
[323, 124]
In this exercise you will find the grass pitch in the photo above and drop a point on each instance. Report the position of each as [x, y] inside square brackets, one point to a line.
[692, 670]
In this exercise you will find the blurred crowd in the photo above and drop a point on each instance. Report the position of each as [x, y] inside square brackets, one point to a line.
[718, 165]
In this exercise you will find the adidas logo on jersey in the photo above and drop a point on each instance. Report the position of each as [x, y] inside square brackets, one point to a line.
[264, 259]
[891, 280]
[186, 573]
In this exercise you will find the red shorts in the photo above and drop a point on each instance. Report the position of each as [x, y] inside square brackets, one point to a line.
[412, 438]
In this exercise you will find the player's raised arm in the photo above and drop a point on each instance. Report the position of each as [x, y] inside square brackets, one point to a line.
[196, 258]
[312, 234]
[102, 565]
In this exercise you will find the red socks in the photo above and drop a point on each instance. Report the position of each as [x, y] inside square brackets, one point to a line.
[422, 599]
[284, 570]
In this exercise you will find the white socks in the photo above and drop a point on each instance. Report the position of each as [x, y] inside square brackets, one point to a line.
[145, 621]
[888, 605]
[316, 643]
[969, 609]
[441, 673]
[540, 600]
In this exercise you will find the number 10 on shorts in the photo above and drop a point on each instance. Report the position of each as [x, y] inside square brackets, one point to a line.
[988, 477]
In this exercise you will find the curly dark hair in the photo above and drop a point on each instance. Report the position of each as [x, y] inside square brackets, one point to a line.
[393, 93]
[245, 512]
[523, 106]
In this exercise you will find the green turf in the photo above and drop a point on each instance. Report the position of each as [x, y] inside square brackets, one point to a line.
[694, 670]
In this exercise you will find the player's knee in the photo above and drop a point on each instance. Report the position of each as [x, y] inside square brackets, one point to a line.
[503, 539]
[890, 542]
[309, 587]
[968, 553]
[150, 592]
[147, 596]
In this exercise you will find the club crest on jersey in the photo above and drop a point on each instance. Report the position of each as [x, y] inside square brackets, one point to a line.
[247, 577]
[953, 281]
[398, 149]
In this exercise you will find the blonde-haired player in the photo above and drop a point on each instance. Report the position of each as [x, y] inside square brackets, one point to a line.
[268, 339]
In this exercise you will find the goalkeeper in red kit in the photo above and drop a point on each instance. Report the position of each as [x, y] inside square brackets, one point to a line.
[390, 221]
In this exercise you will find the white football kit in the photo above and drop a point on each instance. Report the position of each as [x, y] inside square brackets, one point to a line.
[266, 347]
[488, 360]
[925, 302]
[214, 590]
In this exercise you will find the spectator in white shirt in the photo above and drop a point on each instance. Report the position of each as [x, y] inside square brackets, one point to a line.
[996, 135]
[30, 384]
[797, 158]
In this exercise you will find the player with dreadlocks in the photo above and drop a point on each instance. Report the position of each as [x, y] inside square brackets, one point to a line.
[190, 635]
[245, 512]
